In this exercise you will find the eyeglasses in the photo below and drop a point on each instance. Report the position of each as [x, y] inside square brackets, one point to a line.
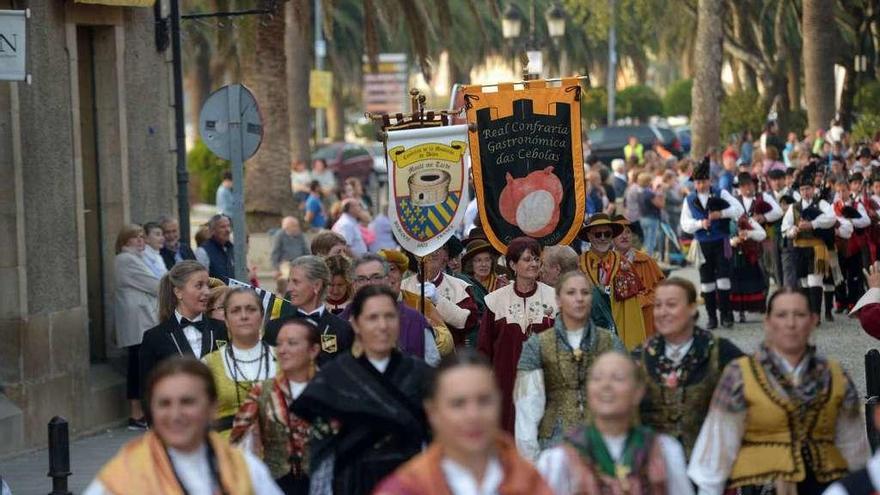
[602, 234]
[372, 279]
[218, 308]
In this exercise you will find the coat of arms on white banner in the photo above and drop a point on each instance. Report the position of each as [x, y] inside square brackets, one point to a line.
[427, 185]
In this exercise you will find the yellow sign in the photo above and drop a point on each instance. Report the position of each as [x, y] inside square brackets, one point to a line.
[121, 3]
[320, 88]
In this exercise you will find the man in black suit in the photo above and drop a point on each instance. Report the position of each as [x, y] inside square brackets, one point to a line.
[179, 336]
[173, 251]
[307, 286]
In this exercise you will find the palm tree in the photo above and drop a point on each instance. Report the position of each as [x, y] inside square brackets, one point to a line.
[267, 183]
[819, 33]
[706, 93]
[299, 38]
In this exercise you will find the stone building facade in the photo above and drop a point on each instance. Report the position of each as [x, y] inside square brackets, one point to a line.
[86, 147]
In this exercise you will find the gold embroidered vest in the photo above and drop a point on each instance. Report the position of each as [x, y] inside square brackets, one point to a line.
[777, 431]
[562, 412]
[679, 411]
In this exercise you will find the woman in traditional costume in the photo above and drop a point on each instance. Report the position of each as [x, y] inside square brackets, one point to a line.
[644, 266]
[479, 262]
[243, 362]
[264, 424]
[550, 391]
[748, 285]
[613, 454]
[470, 454]
[366, 411]
[784, 417]
[682, 364]
[179, 455]
[513, 314]
[615, 302]
[339, 289]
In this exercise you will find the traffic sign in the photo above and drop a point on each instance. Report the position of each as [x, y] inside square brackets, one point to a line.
[214, 121]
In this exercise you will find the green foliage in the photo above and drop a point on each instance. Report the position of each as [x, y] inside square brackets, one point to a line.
[796, 122]
[639, 102]
[867, 99]
[206, 170]
[678, 98]
[594, 106]
[742, 110]
[865, 127]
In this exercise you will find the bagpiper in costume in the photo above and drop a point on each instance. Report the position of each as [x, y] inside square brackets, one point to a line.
[707, 216]
[853, 252]
[749, 281]
[810, 223]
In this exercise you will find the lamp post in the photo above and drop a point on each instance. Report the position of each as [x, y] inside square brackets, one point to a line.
[511, 28]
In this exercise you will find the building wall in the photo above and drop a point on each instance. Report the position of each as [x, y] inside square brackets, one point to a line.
[45, 363]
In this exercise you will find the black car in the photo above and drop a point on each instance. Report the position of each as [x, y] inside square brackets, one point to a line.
[606, 143]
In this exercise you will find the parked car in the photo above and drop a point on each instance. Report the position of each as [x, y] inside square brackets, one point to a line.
[347, 160]
[684, 136]
[606, 143]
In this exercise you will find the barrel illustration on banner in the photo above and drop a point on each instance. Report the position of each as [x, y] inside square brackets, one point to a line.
[427, 185]
[527, 161]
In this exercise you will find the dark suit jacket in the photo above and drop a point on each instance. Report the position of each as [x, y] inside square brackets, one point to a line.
[163, 341]
[168, 256]
[330, 326]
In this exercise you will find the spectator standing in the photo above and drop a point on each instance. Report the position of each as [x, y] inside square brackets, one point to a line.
[315, 215]
[173, 251]
[652, 203]
[300, 178]
[223, 197]
[349, 228]
[632, 202]
[288, 244]
[746, 148]
[216, 253]
[618, 166]
[324, 176]
[154, 239]
[327, 243]
[381, 229]
[136, 303]
[634, 150]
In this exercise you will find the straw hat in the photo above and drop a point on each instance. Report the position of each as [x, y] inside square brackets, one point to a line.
[598, 220]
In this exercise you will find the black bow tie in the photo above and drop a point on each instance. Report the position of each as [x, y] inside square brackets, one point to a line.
[311, 316]
[200, 325]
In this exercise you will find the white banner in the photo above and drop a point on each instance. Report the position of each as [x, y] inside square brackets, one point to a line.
[427, 185]
[13, 43]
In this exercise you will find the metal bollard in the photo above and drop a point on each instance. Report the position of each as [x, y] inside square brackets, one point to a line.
[59, 455]
[872, 392]
[873, 434]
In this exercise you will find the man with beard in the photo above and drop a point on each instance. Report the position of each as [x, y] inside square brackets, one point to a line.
[707, 215]
[615, 302]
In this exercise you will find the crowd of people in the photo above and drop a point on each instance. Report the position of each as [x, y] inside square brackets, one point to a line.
[575, 369]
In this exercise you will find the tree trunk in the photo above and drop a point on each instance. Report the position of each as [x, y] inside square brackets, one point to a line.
[706, 93]
[793, 82]
[198, 79]
[847, 97]
[336, 113]
[298, 39]
[267, 181]
[819, 62]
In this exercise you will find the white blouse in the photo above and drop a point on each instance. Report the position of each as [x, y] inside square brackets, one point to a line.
[461, 481]
[194, 473]
[553, 464]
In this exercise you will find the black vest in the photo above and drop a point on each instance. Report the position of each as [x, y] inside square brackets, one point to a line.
[221, 265]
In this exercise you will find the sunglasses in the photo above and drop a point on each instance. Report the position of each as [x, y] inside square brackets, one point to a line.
[602, 234]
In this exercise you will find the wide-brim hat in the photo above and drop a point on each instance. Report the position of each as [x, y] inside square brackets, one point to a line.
[622, 220]
[396, 258]
[776, 173]
[476, 246]
[454, 247]
[599, 220]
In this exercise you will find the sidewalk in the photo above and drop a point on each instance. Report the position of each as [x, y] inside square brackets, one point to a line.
[26, 473]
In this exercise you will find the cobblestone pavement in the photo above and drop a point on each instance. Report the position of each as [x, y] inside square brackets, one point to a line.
[26, 474]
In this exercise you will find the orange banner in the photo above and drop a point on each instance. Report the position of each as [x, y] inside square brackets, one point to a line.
[527, 160]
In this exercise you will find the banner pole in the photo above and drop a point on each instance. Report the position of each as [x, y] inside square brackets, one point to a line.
[422, 278]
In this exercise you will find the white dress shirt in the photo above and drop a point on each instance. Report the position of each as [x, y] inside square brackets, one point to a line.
[461, 481]
[574, 338]
[691, 225]
[380, 364]
[825, 220]
[193, 335]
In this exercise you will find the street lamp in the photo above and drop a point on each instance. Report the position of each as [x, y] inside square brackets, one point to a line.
[511, 22]
[555, 17]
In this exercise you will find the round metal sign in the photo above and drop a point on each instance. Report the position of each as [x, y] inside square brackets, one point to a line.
[216, 126]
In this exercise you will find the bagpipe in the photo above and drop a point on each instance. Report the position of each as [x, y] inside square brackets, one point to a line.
[813, 212]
